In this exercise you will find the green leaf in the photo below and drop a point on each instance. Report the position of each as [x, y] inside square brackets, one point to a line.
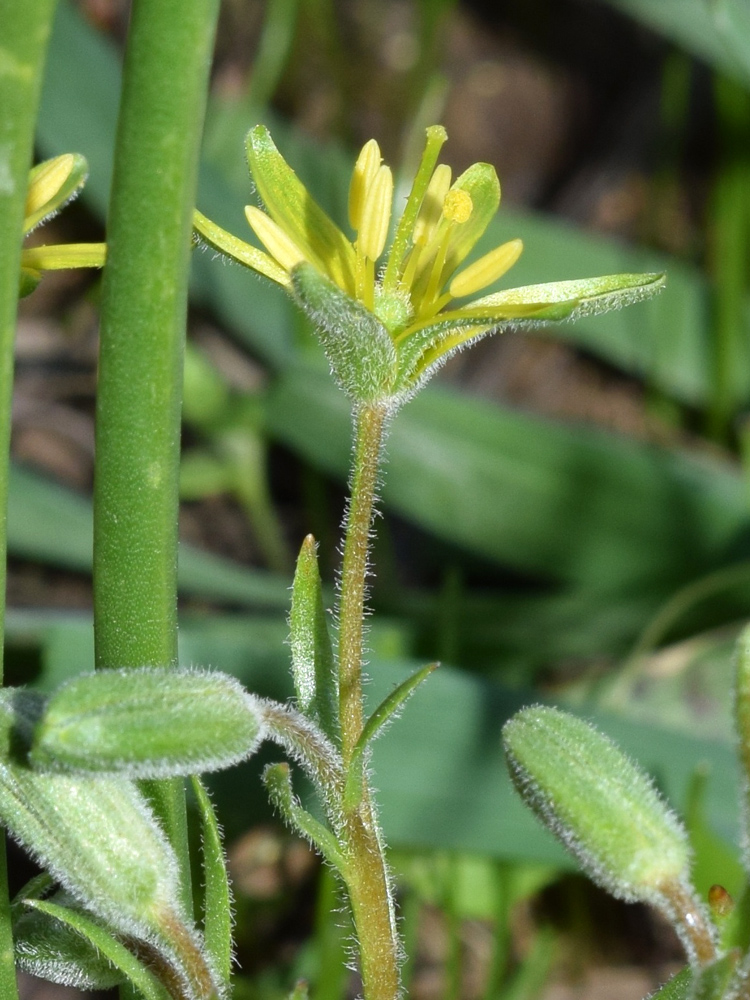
[217, 905]
[112, 950]
[383, 714]
[708, 30]
[357, 345]
[712, 982]
[313, 664]
[147, 723]
[49, 948]
[278, 782]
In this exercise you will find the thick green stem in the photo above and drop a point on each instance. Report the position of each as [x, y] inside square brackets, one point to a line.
[369, 438]
[144, 304]
[367, 882]
[23, 46]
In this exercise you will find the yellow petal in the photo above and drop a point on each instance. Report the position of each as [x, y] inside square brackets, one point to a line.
[486, 270]
[376, 215]
[363, 175]
[274, 239]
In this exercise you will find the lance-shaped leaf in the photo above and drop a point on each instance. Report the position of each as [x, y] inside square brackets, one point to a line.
[278, 782]
[207, 232]
[217, 903]
[359, 350]
[313, 665]
[98, 939]
[147, 723]
[609, 815]
[51, 949]
[386, 711]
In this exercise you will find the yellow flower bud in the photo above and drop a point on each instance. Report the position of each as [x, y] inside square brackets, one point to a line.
[47, 180]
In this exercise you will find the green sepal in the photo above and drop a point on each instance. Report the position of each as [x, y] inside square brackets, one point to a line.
[278, 782]
[113, 950]
[149, 722]
[313, 665]
[70, 183]
[384, 713]
[52, 949]
[217, 907]
[292, 207]
[529, 306]
[598, 803]
[358, 347]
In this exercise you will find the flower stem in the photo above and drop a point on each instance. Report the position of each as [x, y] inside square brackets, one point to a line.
[367, 882]
[370, 426]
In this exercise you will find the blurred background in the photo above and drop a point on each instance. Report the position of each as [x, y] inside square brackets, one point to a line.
[565, 514]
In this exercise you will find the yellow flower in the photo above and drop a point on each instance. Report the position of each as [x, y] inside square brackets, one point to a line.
[52, 184]
[386, 315]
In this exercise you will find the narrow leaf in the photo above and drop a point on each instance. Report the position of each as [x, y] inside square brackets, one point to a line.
[217, 920]
[278, 782]
[384, 713]
[313, 665]
[115, 952]
[212, 235]
[147, 723]
[51, 949]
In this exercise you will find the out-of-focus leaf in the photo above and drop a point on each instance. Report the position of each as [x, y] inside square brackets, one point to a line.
[577, 505]
[54, 525]
[710, 29]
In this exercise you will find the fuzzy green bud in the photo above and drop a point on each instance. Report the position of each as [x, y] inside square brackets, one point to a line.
[147, 723]
[597, 802]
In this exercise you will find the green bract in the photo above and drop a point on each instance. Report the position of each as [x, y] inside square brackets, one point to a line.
[386, 317]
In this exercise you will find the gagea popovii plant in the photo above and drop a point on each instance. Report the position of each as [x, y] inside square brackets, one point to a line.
[387, 315]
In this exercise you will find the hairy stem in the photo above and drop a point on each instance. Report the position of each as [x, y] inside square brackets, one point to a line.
[370, 425]
[367, 880]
